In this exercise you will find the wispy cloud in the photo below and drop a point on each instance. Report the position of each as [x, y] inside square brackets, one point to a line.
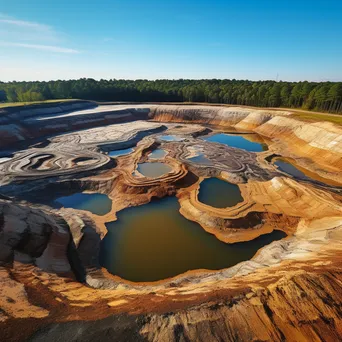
[50, 48]
[25, 24]
[32, 35]
[21, 30]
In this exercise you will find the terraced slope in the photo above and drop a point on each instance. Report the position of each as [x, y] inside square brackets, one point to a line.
[52, 285]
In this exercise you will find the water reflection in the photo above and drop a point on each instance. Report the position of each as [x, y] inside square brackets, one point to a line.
[170, 138]
[239, 141]
[159, 153]
[117, 153]
[201, 159]
[155, 241]
[153, 170]
[289, 167]
[98, 204]
[218, 193]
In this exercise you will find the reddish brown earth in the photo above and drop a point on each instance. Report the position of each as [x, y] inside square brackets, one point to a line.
[52, 287]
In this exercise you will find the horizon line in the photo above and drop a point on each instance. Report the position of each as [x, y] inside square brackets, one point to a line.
[174, 79]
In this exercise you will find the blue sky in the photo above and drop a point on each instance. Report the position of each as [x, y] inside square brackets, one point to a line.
[242, 39]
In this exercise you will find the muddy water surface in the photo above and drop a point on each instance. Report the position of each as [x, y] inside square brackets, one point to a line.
[154, 242]
[154, 170]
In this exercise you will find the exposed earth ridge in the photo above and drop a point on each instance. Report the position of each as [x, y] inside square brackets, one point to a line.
[51, 281]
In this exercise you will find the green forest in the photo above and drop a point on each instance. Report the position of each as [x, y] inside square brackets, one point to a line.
[318, 96]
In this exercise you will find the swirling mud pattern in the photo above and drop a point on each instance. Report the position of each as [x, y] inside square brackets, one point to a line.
[54, 280]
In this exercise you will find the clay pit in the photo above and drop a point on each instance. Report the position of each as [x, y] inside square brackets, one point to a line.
[53, 285]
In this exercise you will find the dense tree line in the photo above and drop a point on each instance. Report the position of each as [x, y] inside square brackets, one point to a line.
[322, 96]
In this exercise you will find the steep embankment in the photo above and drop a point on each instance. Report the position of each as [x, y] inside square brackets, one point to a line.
[290, 291]
[12, 119]
[24, 124]
[290, 137]
[242, 118]
[321, 141]
[51, 284]
[315, 146]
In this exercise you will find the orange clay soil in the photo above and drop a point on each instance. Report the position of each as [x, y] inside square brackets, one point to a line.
[290, 290]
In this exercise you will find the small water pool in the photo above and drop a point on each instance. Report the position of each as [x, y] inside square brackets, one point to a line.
[98, 204]
[154, 242]
[290, 169]
[118, 153]
[159, 153]
[170, 138]
[218, 193]
[201, 159]
[154, 170]
[238, 141]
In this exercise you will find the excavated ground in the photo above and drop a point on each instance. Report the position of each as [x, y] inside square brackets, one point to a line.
[53, 287]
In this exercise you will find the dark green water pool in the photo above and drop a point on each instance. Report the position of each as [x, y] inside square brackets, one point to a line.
[154, 242]
[98, 204]
[239, 141]
[218, 193]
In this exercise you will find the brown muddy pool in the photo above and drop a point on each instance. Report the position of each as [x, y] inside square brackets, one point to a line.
[154, 241]
[153, 170]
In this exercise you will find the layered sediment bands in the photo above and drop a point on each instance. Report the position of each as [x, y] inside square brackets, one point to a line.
[75, 153]
[28, 125]
[273, 313]
[294, 138]
[291, 288]
[217, 116]
[315, 146]
[36, 164]
[238, 165]
[56, 108]
[12, 119]
[276, 204]
[310, 143]
[53, 287]
[255, 119]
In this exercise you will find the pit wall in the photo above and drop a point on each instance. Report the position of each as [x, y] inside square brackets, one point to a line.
[243, 118]
[315, 146]
[321, 141]
[22, 124]
[24, 112]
